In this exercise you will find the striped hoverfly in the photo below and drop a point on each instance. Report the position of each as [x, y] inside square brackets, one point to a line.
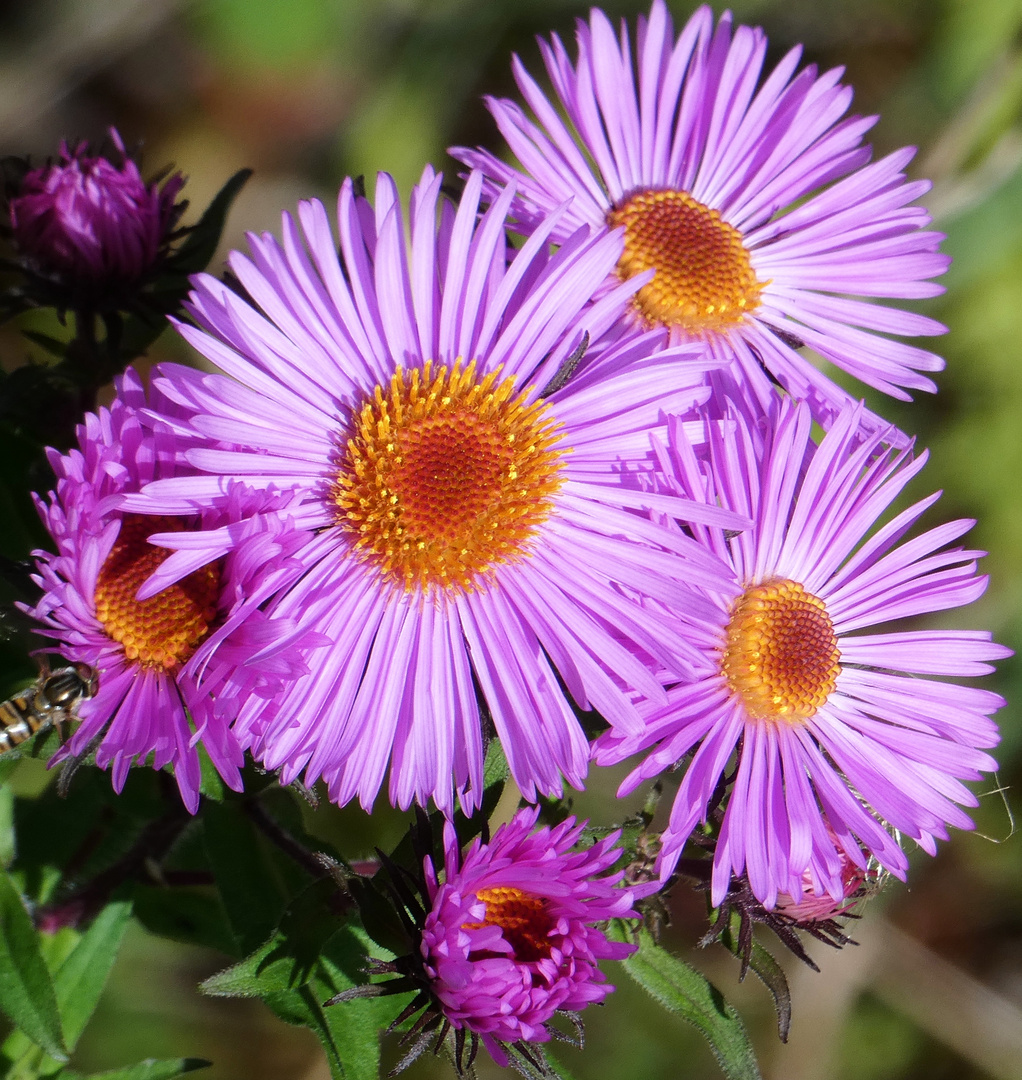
[52, 702]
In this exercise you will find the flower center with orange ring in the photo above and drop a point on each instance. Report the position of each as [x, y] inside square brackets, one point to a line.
[522, 918]
[163, 631]
[445, 476]
[782, 656]
[704, 278]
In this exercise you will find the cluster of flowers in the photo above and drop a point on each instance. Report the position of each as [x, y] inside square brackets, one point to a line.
[446, 487]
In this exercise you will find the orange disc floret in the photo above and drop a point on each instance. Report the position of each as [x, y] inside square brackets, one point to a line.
[444, 476]
[782, 655]
[522, 918]
[704, 278]
[163, 631]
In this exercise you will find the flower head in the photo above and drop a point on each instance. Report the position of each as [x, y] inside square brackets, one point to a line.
[842, 738]
[510, 936]
[182, 653]
[473, 533]
[752, 197]
[90, 228]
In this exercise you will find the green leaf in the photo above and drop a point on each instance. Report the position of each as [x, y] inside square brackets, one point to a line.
[54, 346]
[200, 244]
[495, 767]
[26, 991]
[80, 979]
[683, 990]
[8, 763]
[192, 916]
[768, 970]
[350, 1031]
[210, 783]
[289, 958]
[78, 984]
[311, 958]
[150, 1069]
[249, 885]
[8, 846]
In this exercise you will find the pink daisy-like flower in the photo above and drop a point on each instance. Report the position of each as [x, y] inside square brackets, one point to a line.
[510, 937]
[841, 736]
[753, 200]
[472, 538]
[92, 227]
[181, 653]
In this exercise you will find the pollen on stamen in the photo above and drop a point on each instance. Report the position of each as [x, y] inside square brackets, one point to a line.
[523, 919]
[444, 477]
[704, 278]
[163, 631]
[782, 656]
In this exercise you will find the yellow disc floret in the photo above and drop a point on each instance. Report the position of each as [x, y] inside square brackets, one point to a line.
[445, 476]
[782, 656]
[522, 918]
[704, 279]
[163, 631]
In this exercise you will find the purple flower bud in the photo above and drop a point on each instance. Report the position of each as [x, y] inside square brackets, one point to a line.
[92, 227]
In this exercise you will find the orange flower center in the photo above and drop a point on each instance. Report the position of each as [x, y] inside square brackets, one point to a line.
[704, 278]
[523, 920]
[163, 631]
[444, 477]
[782, 656]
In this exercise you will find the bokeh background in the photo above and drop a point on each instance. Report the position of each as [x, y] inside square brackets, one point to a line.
[308, 91]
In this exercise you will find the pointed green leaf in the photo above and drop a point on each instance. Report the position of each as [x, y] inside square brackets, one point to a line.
[78, 984]
[249, 886]
[683, 990]
[80, 979]
[54, 346]
[200, 244]
[308, 961]
[769, 972]
[192, 916]
[7, 840]
[289, 958]
[26, 991]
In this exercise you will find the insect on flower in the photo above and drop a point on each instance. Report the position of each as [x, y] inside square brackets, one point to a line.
[52, 702]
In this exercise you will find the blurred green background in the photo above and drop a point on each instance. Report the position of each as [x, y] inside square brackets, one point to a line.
[308, 91]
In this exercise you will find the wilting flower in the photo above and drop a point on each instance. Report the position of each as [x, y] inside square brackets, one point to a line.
[754, 202]
[814, 906]
[90, 228]
[180, 653]
[469, 533]
[510, 938]
[841, 737]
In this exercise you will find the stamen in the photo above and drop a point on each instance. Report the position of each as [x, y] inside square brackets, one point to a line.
[522, 918]
[444, 477]
[704, 278]
[782, 656]
[163, 631]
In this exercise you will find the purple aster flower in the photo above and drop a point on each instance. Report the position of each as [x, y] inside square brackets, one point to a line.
[503, 938]
[182, 653]
[468, 533]
[510, 937]
[91, 227]
[753, 199]
[841, 737]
